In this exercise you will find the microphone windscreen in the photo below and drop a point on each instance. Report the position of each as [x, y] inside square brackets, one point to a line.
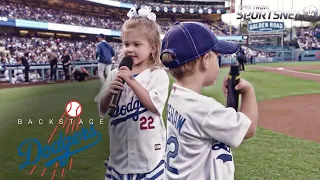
[126, 61]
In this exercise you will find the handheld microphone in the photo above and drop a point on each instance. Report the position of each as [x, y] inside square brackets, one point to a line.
[233, 80]
[126, 61]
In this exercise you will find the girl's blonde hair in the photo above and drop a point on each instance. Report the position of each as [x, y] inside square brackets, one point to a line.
[151, 31]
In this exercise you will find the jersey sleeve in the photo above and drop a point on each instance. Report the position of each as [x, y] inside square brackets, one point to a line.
[159, 88]
[103, 90]
[225, 125]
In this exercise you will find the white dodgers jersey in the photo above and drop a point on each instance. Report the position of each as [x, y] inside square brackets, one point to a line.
[200, 132]
[137, 136]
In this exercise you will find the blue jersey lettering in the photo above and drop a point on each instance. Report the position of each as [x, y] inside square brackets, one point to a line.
[131, 110]
[175, 118]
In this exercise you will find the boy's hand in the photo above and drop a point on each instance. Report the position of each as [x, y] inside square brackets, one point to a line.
[125, 74]
[115, 86]
[243, 86]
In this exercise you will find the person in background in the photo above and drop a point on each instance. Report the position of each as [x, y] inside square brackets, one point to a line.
[66, 60]
[104, 54]
[23, 61]
[252, 60]
[6, 75]
[80, 73]
[241, 58]
[299, 57]
[53, 67]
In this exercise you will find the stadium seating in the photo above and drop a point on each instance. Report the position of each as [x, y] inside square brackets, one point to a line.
[24, 11]
[309, 38]
[38, 49]
[83, 50]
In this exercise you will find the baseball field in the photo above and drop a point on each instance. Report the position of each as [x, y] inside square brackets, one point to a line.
[286, 145]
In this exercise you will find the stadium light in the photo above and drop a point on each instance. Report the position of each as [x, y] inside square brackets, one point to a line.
[174, 9]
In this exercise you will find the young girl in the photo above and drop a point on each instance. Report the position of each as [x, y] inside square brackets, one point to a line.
[136, 130]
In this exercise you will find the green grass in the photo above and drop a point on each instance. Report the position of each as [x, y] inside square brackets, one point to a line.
[268, 155]
[295, 63]
[315, 71]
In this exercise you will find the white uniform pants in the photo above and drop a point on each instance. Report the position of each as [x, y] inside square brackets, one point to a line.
[103, 69]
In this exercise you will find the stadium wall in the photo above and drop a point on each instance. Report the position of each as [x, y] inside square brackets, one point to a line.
[313, 55]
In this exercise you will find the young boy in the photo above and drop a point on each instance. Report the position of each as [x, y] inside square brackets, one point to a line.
[200, 130]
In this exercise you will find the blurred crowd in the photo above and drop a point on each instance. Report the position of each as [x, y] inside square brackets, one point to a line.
[219, 27]
[309, 38]
[186, 6]
[39, 49]
[23, 11]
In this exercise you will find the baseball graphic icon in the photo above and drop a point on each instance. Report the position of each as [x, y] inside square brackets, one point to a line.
[73, 109]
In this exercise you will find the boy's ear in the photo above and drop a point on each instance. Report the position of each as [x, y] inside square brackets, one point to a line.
[205, 60]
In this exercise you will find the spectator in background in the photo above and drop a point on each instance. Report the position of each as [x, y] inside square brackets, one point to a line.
[241, 57]
[23, 61]
[6, 75]
[104, 55]
[300, 57]
[252, 59]
[80, 73]
[66, 60]
[53, 67]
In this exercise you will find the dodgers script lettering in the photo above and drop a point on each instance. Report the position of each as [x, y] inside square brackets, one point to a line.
[131, 110]
[61, 148]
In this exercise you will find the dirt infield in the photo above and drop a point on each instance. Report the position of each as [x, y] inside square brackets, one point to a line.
[296, 116]
[293, 71]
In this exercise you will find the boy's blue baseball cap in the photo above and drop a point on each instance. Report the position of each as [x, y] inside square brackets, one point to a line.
[188, 41]
[100, 35]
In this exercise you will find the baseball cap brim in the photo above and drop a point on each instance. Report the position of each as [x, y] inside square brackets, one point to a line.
[100, 35]
[225, 47]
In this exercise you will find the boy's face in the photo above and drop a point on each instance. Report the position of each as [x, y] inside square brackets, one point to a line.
[136, 45]
[212, 69]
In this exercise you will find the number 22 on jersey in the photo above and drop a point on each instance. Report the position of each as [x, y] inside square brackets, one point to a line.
[173, 142]
[146, 123]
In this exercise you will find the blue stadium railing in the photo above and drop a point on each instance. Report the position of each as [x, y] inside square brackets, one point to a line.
[90, 66]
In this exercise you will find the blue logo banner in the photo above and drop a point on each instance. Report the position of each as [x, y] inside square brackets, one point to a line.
[7, 22]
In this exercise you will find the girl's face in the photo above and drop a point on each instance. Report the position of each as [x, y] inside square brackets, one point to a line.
[137, 46]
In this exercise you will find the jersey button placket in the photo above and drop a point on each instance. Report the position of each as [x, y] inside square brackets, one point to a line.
[131, 139]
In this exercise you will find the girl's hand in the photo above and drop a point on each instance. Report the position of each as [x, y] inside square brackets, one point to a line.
[125, 74]
[115, 86]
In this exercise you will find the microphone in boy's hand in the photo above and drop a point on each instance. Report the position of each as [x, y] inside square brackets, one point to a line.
[126, 61]
[233, 81]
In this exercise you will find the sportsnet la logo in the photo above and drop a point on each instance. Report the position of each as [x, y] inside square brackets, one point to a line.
[259, 12]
